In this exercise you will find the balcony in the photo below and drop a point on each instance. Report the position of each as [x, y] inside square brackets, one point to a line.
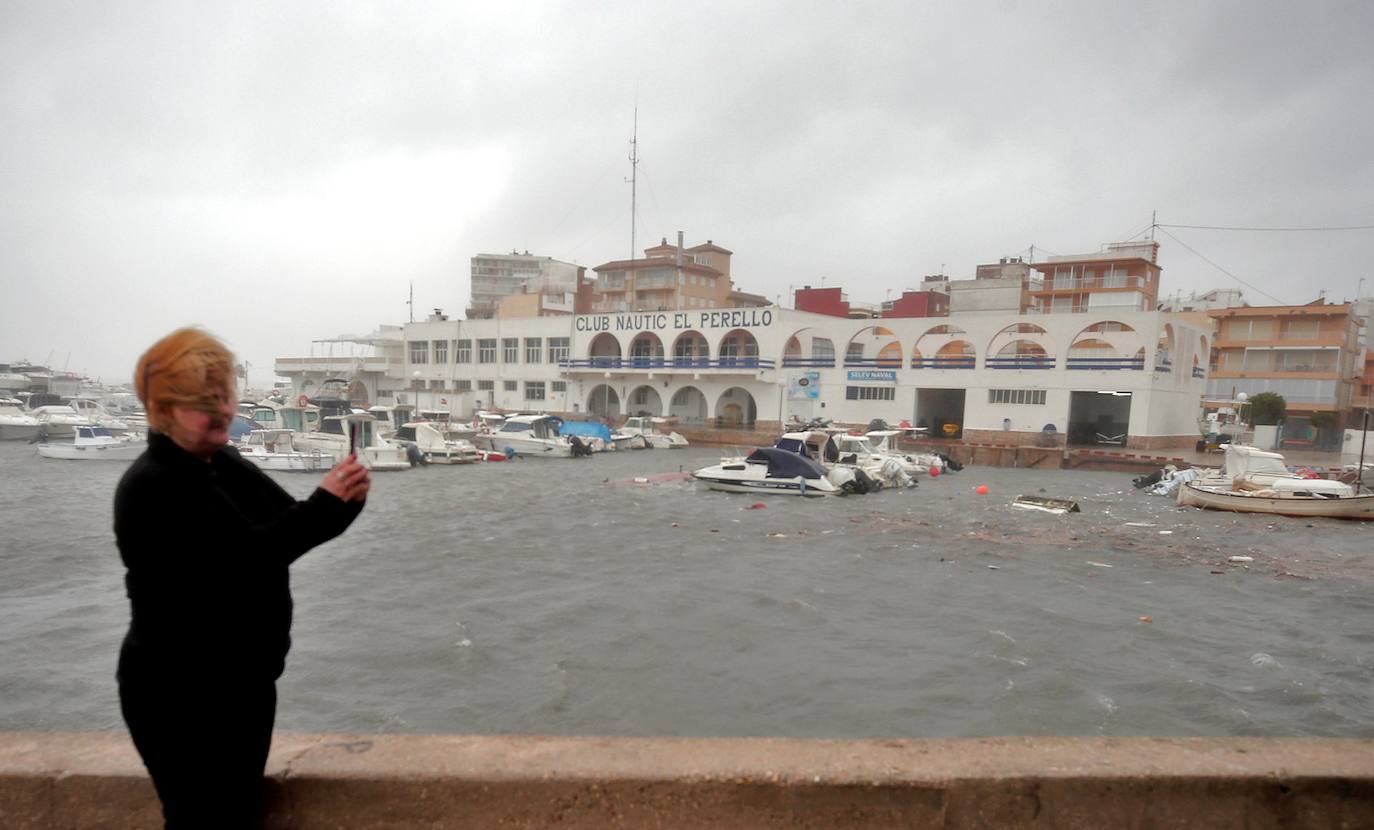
[1199, 372]
[873, 362]
[808, 362]
[954, 362]
[1106, 364]
[1089, 284]
[665, 364]
[1020, 361]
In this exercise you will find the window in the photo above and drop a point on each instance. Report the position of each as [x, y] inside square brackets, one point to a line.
[441, 351]
[509, 385]
[510, 346]
[559, 347]
[641, 395]
[854, 352]
[534, 390]
[462, 351]
[1034, 397]
[462, 386]
[486, 385]
[486, 350]
[822, 348]
[419, 351]
[534, 350]
[558, 387]
[870, 393]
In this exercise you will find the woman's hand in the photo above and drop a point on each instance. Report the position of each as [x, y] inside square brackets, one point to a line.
[348, 480]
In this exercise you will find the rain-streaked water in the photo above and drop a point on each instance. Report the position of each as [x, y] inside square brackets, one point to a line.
[558, 597]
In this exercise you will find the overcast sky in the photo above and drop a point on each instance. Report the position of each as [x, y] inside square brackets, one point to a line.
[281, 172]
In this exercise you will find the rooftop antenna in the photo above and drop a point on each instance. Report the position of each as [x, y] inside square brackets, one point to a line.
[634, 175]
[411, 302]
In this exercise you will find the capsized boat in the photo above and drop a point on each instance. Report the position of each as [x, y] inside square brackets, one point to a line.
[1046, 504]
[769, 471]
[92, 443]
[1287, 497]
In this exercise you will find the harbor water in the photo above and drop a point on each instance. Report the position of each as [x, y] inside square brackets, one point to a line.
[563, 597]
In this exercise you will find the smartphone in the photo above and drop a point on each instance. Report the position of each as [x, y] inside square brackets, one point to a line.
[355, 436]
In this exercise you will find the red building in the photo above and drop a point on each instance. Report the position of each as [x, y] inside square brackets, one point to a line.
[918, 304]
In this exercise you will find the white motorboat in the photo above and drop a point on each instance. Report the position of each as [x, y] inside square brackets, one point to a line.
[431, 442]
[57, 421]
[1247, 468]
[530, 436]
[769, 471]
[332, 438]
[884, 443]
[871, 473]
[92, 443]
[93, 412]
[14, 424]
[652, 431]
[273, 449]
[874, 449]
[1287, 497]
[391, 418]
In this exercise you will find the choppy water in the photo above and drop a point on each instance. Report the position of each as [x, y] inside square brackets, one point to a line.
[544, 597]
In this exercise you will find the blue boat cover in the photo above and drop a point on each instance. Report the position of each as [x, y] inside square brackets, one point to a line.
[784, 464]
[586, 429]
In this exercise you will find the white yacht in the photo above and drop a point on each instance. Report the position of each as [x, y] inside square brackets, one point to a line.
[93, 412]
[433, 444]
[651, 430]
[375, 452]
[529, 436]
[14, 424]
[274, 449]
[875, 448]
[58, 421]
[769, 471]
[390, 418]
[92, 443]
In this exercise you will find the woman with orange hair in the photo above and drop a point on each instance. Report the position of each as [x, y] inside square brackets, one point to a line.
[207, 539]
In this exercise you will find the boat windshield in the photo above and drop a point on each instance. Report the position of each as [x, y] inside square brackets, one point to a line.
[100, 432]
[291, 419]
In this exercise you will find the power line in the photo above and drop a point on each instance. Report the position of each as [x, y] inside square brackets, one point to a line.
[1269, 230]
[1254, 288]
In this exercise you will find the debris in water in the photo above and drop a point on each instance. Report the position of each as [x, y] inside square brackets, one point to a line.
[758, 505]
[1146, 619]
[1098, 564]
[1240, 559]
[994, 567]
[777, 536]
[1165, 532]
[1265, 661]
[1139, 524]
[675, 524]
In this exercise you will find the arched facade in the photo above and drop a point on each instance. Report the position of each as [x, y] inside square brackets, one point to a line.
[604, 351]
[1106, 345]
[944, 347]
[688, 405]
[1164, 349]
[738, 348]
[736, 408]
[690, 349]
[644, 400]
[604, 401]
[646, 351]
[809, 347]
[874, 346]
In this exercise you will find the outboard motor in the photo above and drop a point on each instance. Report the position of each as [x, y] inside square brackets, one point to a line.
[950, 463]
[579, 448]
[1141, 482]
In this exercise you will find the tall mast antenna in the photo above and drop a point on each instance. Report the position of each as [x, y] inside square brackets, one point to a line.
[634, 175]
[411, 302]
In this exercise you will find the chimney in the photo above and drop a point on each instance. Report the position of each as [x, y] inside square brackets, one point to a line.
[679, 249]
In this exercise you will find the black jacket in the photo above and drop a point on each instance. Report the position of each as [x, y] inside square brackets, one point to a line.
[207, 547]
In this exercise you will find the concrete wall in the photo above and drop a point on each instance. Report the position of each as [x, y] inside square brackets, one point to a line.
[374, 781]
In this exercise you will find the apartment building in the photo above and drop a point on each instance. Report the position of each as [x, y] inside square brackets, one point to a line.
[668, 278]
[1309, 354]
[495, 276]
[1124, 276]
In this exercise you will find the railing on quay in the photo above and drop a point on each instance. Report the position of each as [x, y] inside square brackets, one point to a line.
[1022, 361]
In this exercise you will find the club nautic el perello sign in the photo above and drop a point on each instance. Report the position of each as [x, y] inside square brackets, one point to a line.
[739, 318]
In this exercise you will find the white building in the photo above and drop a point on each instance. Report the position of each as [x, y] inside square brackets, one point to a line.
[1122, 377]
[494, 276]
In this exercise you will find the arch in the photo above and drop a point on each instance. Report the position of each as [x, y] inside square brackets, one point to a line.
[1164, 349]
[739, 348]
[1021, 333]
[604, 351]
[604, 401]
[1020, 353]
[736, 408]
[691, 349]
[1202, 359]
[688, 405]
[644, 400]
[874, 346]
[807, 348]
[646, 351]
[944, 347]
[1106, 345]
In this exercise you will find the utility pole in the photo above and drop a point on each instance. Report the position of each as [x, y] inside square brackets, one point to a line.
[1153, 224]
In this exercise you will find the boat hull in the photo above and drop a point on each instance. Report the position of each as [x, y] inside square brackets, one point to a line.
[121, 451]
[1350, 507]
[290, 462]
[768, 487]
[18, 432]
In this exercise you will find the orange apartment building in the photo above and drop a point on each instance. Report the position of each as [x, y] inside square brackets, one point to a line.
[1309, 354]
[1125, 276]
[669, 278]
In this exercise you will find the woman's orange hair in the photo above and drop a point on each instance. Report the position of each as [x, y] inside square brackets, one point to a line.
[188, 367]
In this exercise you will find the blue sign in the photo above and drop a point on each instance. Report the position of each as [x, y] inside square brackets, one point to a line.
[879, 375]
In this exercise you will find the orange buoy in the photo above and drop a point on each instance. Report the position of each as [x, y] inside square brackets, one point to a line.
[981, 490]
[934, 472]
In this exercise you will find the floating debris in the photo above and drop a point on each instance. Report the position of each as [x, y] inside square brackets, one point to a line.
[1098, 564]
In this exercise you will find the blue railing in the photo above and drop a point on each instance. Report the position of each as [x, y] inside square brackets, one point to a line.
[874, 362]
[1199, 372]
[1111, 364]
[958, 362]
[1164, 364]
[809, 362]
[632, 363]
[1020, 361]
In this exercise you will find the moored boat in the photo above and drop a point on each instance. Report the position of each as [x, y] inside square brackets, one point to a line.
[273, 449]
[1295, 497]
[92, 443]
[769, 471]
[14, 424]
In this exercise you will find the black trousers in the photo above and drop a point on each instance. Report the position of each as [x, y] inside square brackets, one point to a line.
[204, 744]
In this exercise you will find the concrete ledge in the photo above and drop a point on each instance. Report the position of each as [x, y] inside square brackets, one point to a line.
[388, 781]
